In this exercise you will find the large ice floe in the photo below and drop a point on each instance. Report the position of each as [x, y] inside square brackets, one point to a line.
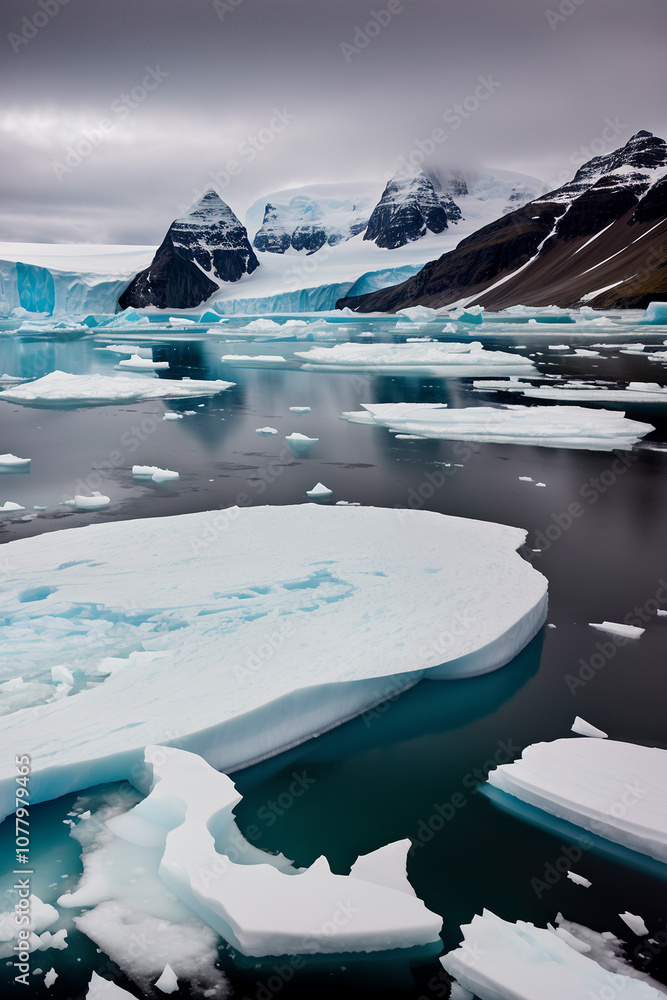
[617, 791]
[499, 960]
[63, 389]
[440, 360]
[581, 392]
[286, 640]
[185, 838]
[547, 426]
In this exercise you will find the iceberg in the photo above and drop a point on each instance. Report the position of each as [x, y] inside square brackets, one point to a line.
[299, 410]
[254, 361]
[499, 960]
[153, 472]
[319, 492]
[615, 790]
[635, 923]
[261, 904]
[656, 313]
[287, 639]
[579, 880]
[11, 505]
[62, 389]
[544, 426]
[266, 431]
[439, 360]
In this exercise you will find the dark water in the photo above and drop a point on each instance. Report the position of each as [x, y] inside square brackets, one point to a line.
[413, 767]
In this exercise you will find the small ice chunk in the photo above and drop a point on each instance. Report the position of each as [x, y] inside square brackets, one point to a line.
[9, 461]
[661, 612]
[615, 628]
[104, 989]
[635, 923]
[96, 502]
[11, 505]
[300, 444]
[167, 982]
[579, 880]
[583, 947]
[583, 728]
[319, 490]
[137, 363]
[526, 479]
[540, 484]
[50, 978]
[172, 416]
[299, 410]
[265, 431]
[164, 475]
[60, 674]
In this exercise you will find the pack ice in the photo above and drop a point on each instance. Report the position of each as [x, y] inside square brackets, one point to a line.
[261, 904]
[615, 790]
[459, 360]
[499, 960]
[547, 426]
[240, 632]
[63, 389]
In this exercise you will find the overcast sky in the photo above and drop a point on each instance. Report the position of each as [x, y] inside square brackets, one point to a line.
[160, 95]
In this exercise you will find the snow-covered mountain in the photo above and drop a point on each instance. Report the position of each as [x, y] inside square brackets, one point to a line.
[597, 240]
[408, 207]
[308, 218]
[207, 243]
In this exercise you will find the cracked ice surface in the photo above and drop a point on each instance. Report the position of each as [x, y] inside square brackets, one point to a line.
[187, 841]
[522, 962]
[285, 639]
[615, 790]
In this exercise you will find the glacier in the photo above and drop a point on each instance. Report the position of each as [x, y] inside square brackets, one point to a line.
[500, 960]
[294, 637]
[615, 790]
[260, 903]
[543, 426]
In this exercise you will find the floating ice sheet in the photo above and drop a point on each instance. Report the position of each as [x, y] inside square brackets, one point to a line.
[63, 389]
[291, 619]
[615, 790]
[636, 392]
[546, 426]
[439, 360]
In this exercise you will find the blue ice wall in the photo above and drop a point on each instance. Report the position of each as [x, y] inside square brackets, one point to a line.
[37, 292]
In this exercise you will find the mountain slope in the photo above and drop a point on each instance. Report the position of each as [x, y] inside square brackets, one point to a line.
[208, 243]
[600, 239]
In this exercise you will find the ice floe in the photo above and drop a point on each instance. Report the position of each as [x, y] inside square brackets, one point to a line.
[579, 880]
[138, 364]
[63, 389]
[10, 505]
[9, 461]
[615, 790]
[258, 902]
[617, 628]
[439, 360]
[636, 392]
[500, 960]
[546, 426]
[635, 923]
[104, 989]
[266, 431]
[95, 502]
[299, 410]
[287, 639]
[254, 361]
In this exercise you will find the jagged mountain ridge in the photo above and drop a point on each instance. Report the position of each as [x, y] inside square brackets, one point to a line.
[206, 244]
[600, 239]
